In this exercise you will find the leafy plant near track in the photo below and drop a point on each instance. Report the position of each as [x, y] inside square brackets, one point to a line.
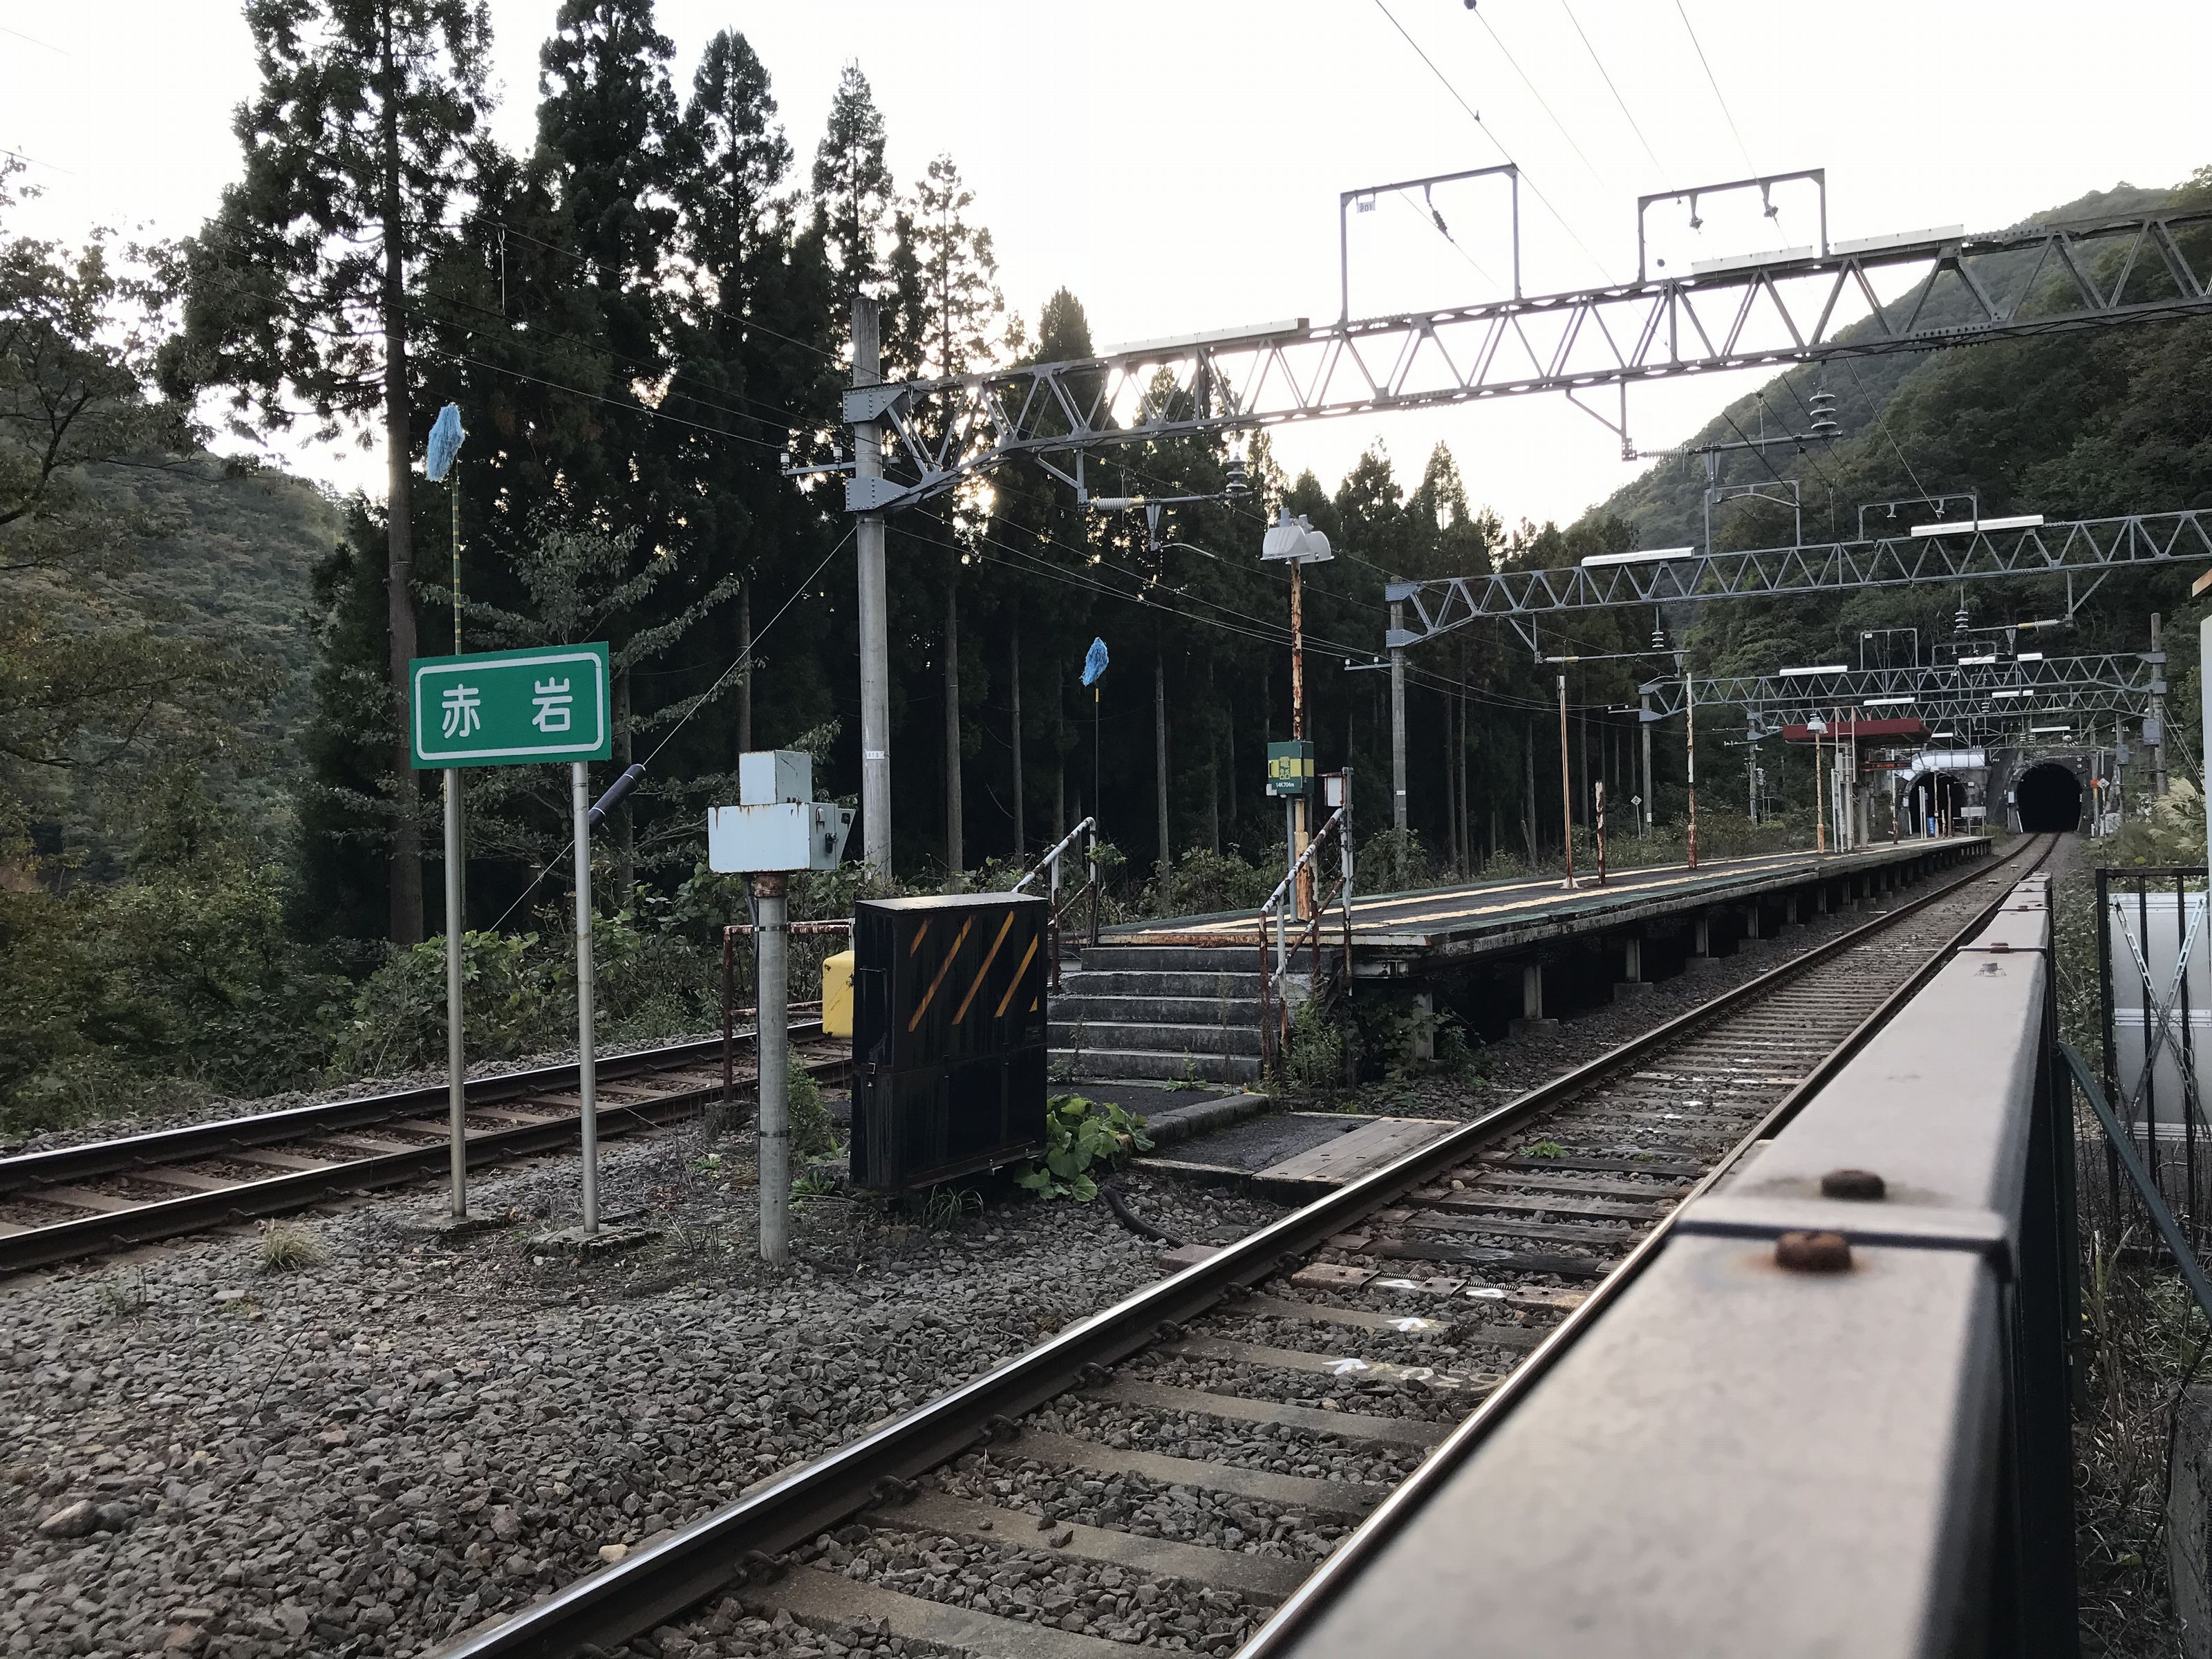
[1081, 1135]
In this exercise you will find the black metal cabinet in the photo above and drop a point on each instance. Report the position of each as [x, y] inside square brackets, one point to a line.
[948, 1036]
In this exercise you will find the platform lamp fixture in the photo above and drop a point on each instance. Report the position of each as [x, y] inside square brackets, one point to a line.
[1295, 542]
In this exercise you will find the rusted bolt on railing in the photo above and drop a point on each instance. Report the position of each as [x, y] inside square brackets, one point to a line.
[1812, 1253]
[1861, 1185]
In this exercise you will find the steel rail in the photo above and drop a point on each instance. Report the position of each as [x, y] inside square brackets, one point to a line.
[645, 1589]
[1291, 1617]
[62, 1241]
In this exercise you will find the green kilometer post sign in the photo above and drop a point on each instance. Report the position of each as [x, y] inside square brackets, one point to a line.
[510, 707]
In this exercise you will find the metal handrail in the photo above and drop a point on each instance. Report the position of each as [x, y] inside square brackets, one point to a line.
[1049, 866]
[1274, 995]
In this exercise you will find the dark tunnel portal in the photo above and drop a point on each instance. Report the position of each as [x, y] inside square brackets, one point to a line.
[2049, 796]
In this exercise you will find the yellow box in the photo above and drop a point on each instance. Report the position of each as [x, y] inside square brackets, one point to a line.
[837, 995]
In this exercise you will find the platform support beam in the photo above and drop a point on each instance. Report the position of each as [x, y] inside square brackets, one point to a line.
[1632, 979]
[1532, 1001]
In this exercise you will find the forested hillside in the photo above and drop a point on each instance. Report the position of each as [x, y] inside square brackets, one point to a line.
[2083, 425]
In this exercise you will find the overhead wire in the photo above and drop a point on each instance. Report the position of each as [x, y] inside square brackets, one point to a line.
[1713, 81]
[646, 409]
[1435, 219]
[482, 217]
[1615, 90]
[1882, 426]
[529, 333]
[752, 647]
[1483, 18]
[1245, 623]
[1534, 189]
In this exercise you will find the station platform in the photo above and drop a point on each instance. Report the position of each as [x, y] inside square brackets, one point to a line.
[1395, 934]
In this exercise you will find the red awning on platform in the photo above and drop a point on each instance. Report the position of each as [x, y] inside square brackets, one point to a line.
[1906, 729]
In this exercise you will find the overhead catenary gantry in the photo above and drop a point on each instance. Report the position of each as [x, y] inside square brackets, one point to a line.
[1977, 683]
[1764, 311]
[916, 439]
[1945, 551]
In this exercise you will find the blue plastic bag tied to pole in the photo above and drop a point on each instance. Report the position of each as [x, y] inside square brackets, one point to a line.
[445, 435]
[1094, 662]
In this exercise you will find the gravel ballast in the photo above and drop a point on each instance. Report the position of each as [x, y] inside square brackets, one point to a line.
[369, 1454]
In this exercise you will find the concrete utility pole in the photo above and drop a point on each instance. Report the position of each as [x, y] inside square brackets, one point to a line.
[772, 1024]
[1566, 788]
[1690, 753]
[1160, 752]
[1398, 723]
[1644, 819]
[2157, 721]
[875, 647]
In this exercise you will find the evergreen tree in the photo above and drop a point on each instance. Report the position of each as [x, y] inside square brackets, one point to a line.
[756, 362]
[610, 151]
[299, 287]
[958, 305]
[852, 188]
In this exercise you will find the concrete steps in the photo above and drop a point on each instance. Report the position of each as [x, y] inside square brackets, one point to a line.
[1161, 1012]
[1165, 1009]
[1152, 1066]
[1160, 1038]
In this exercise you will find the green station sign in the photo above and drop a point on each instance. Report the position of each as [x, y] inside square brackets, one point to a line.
[1290, 767]
[510, 707]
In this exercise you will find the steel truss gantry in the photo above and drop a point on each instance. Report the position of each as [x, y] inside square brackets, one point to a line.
[2119, 680]
[1969, 553]
[1759, 311]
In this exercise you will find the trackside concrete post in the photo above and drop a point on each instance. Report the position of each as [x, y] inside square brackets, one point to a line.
[772, 1029]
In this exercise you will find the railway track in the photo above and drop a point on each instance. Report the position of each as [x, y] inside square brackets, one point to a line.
[1168, 1472]
[77, 1201]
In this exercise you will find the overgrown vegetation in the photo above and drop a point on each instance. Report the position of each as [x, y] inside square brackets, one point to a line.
[2142, 1340]
[288, 1248]
[1083, 1139]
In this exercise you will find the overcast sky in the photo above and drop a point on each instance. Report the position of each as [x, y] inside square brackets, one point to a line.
[1177, 162]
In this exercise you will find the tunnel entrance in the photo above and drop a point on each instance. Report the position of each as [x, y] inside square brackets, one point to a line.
[2049, 796]
[1930, 800]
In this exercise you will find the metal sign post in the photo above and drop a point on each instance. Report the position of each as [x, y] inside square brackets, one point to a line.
[587, 1081]
[513, 708]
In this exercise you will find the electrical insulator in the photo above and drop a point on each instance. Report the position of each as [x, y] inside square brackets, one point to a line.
[1236, 484]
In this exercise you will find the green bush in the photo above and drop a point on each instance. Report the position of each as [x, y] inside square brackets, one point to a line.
[1393, 861]
[1203, 883]
[518, 996]
[1081, 1136]
[1319, 1054]
[151, 993]
[812, 1134]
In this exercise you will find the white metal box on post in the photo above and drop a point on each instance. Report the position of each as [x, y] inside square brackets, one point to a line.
[775, 826]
